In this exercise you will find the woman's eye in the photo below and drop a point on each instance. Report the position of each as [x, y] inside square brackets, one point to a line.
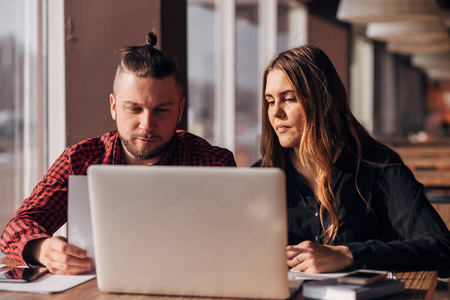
[291, 99]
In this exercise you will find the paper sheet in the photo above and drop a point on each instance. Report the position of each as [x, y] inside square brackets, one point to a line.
[79, 214]
[80, 234]
[48, 284]
[3, 265]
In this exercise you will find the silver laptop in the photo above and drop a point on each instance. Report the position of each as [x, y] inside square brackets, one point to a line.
[191, 231]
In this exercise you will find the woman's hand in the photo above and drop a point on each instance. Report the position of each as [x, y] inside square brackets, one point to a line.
[59, 256]
[315, 258]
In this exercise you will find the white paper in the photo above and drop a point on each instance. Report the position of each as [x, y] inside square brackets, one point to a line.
[79, 214]
[80, 234]
[48, 283]
[2, 258]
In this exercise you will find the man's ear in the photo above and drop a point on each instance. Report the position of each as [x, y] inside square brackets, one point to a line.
[181, 109]
[112, 106]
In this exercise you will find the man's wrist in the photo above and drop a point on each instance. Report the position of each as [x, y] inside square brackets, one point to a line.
[31, 252]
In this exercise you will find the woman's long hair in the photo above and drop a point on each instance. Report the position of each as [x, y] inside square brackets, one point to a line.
[328, 124]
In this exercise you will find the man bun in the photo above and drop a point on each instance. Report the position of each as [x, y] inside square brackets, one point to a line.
[151, 38]
[148, 62]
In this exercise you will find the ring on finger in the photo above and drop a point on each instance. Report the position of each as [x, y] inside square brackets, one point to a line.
[298, 260]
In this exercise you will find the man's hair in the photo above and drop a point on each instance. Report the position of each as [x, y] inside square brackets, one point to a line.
[148, 62]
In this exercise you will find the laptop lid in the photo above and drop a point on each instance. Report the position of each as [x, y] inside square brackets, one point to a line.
[193, 231]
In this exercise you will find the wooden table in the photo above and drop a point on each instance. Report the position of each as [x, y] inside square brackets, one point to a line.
[419, 285]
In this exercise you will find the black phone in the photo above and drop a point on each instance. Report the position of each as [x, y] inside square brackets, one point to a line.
[22, 274]
[363, 277]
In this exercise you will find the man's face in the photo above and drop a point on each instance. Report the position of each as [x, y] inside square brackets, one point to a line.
[146, 111]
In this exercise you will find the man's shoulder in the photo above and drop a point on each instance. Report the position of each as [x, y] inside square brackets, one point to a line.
[93, 147]
[95, 142]
[77, 158]
[201, 150]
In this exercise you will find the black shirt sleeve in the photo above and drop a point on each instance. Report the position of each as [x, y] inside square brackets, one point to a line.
[423, 240]
[399, 231]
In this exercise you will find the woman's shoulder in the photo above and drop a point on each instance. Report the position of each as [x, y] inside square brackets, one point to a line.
[373, 157]
[393, 170]
[370, 154]
[380, 154]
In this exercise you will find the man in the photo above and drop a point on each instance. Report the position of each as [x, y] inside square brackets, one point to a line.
[146, 104]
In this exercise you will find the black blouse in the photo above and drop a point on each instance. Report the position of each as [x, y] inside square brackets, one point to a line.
[400, 231]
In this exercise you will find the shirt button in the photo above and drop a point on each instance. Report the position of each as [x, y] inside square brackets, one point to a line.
[316, 214]
[316, 238]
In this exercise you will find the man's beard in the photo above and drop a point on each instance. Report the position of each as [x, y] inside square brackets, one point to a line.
[143, 152]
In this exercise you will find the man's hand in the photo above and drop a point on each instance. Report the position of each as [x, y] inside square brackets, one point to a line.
[315, 258]
[58, 256]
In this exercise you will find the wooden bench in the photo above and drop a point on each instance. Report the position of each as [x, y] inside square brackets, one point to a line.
[425, 157]
[444, 211]
[423, 151]
[433, 178]
[431, 167]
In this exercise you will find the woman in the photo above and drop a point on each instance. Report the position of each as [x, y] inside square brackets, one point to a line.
[352, 203]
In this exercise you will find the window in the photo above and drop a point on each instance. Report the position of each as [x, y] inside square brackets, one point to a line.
[201, 68]
[229, 43]
[248, 73]
[22, 104]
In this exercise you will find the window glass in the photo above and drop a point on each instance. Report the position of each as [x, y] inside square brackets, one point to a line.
[201, 68]
[203, 54]
[255, 44]
[20, 103]
[247, 83]
[292, 19]
[283, 38]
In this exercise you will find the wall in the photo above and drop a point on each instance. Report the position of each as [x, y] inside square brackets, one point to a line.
[332, 36]
[386, 109]
[94, 32]
[174, 36]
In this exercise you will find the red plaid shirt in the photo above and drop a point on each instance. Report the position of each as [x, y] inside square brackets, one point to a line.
[41, 214]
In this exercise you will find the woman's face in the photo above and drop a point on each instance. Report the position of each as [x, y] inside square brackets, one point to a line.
[284, 109]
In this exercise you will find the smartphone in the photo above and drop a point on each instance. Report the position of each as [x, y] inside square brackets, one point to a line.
[22, 274]
[363, 277]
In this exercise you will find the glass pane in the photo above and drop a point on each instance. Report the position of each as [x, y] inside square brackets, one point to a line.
[247, 83]
[201, 67]
[20, 121]
[291, 24]
[283, 42]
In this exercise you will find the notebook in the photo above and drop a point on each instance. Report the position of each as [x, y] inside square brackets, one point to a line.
[331, 289]
[190, 231]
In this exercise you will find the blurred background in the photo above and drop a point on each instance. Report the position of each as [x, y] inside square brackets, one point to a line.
[57, 62]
